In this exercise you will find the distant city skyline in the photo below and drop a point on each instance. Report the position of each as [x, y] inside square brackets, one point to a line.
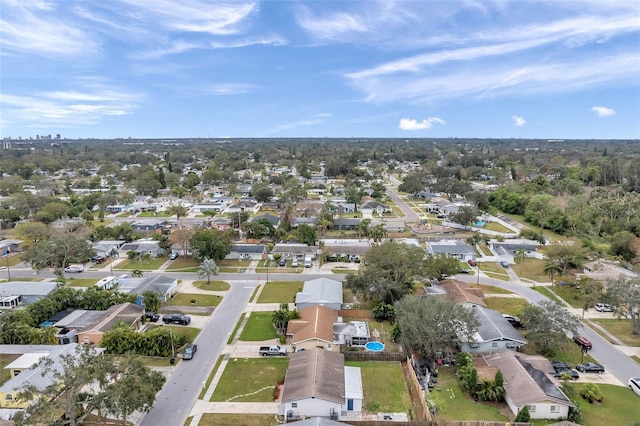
[338, 69]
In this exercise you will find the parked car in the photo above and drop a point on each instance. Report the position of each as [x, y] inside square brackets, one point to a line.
[471, 262]
[74, 268]
[282, 262]
[176, 319]
[463, 271]
[152, 316]
[189, 351]
[634, 385]
[294, 263]
[560, 365]
[514, 321]
[590, 367]
[603, 307]
[174, 255]
[573, 374]
[583, 342]
[504, 263]
[98, 259]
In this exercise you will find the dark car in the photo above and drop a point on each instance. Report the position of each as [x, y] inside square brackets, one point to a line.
[189, 351]
[463, 271]
[573, 374]
[176, 319]
[98, 259]
[583, 342]
[152, 316]
[560, 365]
[282, 262]
[514, 321]
[590, 367]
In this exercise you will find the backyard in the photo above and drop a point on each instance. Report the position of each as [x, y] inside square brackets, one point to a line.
[244, 376]
[388, 395]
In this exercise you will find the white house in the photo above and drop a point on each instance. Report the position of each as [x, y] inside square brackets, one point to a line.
[494, 334]
[525, 383]
[318, 385]
[321, 291]
[458, 249]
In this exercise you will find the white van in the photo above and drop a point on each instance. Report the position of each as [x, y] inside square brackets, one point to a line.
[307, 262]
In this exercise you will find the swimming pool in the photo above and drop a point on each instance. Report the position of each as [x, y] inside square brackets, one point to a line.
[374, 346]
[480, 224]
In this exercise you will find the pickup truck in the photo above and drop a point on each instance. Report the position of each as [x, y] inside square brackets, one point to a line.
[176, 319]
[273, 351]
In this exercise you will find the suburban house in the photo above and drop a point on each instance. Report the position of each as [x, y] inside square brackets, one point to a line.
[462, 294]
[458, 249]
[107, 248]
[274, 220]
[247, 252]
[310, 221]
[348, 249]
[150, 225]
[84, 326]
[372, 206]
[308, 208]
[23, 371]
[216, 206]
[317, 383]
[313, 329]
[525, 383]
[16, 293]
[248, 205]
[221, 223]
[293, 251]
[511, 247]
[494, 334]
[10, 246]
[142, 247]
[321, 291]
[163, 285]
[344, 224]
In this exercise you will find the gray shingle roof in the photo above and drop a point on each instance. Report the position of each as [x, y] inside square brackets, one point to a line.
[315, 373]
[321, 290]
[493, 326]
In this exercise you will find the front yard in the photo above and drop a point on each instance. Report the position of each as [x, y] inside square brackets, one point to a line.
[621, 328]
[244, 376]
[259, 327]
[192, 299]
[280, 291]
[144, 265]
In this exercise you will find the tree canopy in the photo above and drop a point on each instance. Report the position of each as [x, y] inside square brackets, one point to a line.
[210, 243]
[548, 324]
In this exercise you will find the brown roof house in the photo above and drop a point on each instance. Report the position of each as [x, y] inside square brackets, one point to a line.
[313, 329]
[526, 383]
[462, 294]
[318, 384]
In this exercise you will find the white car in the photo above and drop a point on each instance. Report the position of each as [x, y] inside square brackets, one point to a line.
[74, 268]
[634, 385]
[603, 307]
[294, 263]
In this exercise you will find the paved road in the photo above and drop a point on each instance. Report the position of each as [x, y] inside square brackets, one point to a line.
[614, 361]
[410, 215]
[174, 402]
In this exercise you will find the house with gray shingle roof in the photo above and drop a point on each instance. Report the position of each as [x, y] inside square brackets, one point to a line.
[494, 334]
[458, 249]
[321, 291]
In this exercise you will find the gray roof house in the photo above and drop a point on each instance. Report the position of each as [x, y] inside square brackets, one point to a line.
[163, 285]
[321, 291]
[317, 385]
[525, 383]
[294, 250]
[15, 293]
[247, 251]
[494, 334]
[142, 247]
[453, 248]
[107, 247]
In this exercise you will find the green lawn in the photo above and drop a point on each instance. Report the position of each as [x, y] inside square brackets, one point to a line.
[498, 227]
[210, 419]
[259, 327]
[621, 328]
[620, 406]
[213, 285]
[144, 265]
[489, 289]
[244, 376]
[210, 378]
[546, 292]
[192, 299]
[280, 291]
[154, 214]
[10, 260]
[485, 249]
[532, 269]
[506, 305]
[182, 263]
[454, 404]
[569, 353]
[343, 271]
[388, 395]
[232, 266]
[189, 333]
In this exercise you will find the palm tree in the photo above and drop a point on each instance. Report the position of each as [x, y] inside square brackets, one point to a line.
[519, 257]
[551, 267]
[137, 273]
[208, 268]
[281, 318]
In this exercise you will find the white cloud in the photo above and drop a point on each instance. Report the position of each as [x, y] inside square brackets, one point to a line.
[313, 120]
[603, 111]
[228, 89]
[412, 124]
[518, 120]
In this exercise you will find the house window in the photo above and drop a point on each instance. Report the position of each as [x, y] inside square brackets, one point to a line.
[532, 408]
[494, 345]
[294, 405]
[474, 345]
[555, 409]
[9, 397]
[86, 339]
[329, 346]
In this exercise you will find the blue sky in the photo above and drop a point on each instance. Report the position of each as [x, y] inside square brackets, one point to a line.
[178, 68]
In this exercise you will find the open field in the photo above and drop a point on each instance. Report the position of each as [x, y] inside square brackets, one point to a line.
[244, 376]
[388, 395]
[259, 327]
[280, 291]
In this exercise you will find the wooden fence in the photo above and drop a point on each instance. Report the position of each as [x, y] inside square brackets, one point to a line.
[355, 313]
[374, 356]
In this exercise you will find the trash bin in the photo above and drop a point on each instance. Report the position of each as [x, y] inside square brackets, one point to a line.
[172, 361]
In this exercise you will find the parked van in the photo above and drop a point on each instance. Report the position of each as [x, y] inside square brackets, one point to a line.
[307, 262]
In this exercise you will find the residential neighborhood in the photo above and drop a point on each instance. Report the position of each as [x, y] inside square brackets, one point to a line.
[354, 272]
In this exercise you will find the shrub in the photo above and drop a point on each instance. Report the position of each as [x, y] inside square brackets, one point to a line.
[591, 392]
[523, 415]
